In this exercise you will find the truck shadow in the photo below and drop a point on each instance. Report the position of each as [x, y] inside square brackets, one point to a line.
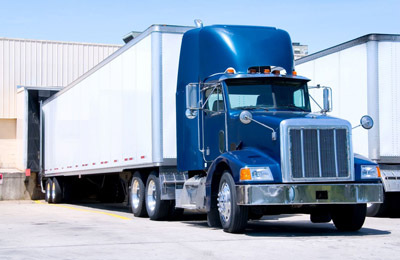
[269, 226]
[302, 229]
[118, 207]
[278, 226]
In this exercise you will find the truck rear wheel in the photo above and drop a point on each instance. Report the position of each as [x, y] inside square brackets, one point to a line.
[49, 185]
[349, 217]
[157, 209]
[136, 196]
[56, 191]
[233, 217]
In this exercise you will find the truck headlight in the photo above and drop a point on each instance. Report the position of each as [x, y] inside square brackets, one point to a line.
[370, 172]
[256, 174]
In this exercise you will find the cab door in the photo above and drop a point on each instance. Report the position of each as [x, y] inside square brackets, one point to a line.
[214, 115]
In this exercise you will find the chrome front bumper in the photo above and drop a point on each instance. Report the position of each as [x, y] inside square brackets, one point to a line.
[300, 194]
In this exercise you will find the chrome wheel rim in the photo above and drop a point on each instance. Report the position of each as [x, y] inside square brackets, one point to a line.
[151, 195]
[48, 191]
[224, 202]
[53, 192]
[135, 194]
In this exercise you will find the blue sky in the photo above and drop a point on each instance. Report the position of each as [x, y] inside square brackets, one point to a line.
[320, 24]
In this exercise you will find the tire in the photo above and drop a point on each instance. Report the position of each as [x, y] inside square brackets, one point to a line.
[378, 209]
[320, 217]
[349, 217]
[157, 209]
[232, 216]
[56, 191]
[137, 195]
[49, 185]
[213, 218]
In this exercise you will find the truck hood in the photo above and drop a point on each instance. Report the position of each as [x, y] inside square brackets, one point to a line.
[260, 137]
[273, 119]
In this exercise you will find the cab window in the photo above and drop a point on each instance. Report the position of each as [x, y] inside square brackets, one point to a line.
[215, 100]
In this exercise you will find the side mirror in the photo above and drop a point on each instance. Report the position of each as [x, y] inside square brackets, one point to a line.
[245, 117]
[192, 100]
[327, 93]
[367, 122]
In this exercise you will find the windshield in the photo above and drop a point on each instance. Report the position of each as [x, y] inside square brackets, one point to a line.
[273, 94]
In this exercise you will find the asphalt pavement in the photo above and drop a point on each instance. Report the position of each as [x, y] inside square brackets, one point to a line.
[37, 230]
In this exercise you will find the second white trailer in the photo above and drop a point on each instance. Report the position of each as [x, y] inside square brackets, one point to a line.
[365, 77]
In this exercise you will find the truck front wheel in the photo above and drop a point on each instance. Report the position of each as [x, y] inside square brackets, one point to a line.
[157, 209]
[136, 196]
[233, 217]
[349, 217]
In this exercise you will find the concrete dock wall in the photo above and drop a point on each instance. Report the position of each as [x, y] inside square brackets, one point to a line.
[16, 186]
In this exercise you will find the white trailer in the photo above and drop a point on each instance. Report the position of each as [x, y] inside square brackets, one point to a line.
[127, 116]
[365, 77]
[120, 115]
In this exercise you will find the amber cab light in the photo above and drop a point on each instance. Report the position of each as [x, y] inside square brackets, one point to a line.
[276, 72]
[245, 174]
[230, 70]
[266, 71]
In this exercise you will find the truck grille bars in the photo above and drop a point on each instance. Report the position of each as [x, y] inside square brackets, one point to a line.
[319, 153]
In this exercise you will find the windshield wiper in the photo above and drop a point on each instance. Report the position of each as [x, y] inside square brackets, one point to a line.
[294, 107]
[246, 107]
[252, 107]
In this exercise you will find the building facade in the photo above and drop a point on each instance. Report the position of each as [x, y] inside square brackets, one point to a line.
[41, 64]
[299, 50]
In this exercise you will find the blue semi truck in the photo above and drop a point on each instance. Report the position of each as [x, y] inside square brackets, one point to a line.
[237, 140]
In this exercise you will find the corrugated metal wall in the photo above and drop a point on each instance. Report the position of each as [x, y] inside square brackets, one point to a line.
[43, 63]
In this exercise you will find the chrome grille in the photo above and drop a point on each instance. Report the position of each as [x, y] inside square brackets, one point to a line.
[319, 153]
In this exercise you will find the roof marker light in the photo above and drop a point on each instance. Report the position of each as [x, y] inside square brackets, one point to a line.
[252, 71]
[230, 70]
[294, 73]
[266, 71]
[276, 72]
